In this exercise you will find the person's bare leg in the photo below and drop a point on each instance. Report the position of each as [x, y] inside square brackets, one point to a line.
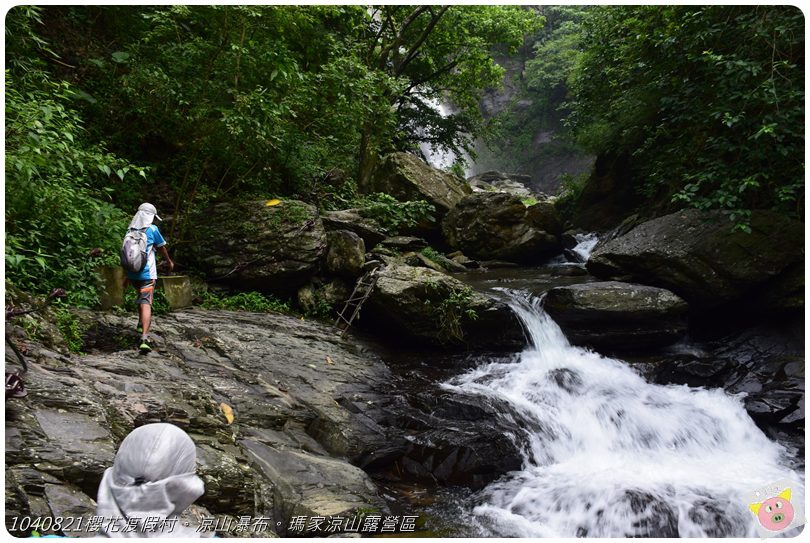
[145, 314]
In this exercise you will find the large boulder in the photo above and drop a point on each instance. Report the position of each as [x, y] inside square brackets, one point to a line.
[346, 254]
[429, 307]
[258, 247]
[699, 256]
[617, 315]
[355, 221]
[407, 177]
[494, 181]
[312, 485]
[499, 226]
[607, 196]
[764, 363]
[404, 244]
[282, 410]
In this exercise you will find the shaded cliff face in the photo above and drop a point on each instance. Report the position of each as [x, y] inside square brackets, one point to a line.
[537, 146]
[316, 424]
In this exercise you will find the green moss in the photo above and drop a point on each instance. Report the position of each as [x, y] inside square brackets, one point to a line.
[244, 301]
[71, 329]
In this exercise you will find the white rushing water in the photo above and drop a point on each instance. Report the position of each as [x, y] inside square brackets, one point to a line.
[585, 245]
[610, 455]
[583, 249]
[439, 158]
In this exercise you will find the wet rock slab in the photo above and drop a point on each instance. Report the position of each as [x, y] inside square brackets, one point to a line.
[617, 315]
[764, 363]
[702, 258]
[310, 413]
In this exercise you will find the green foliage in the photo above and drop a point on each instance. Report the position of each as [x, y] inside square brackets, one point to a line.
[394, 215]
[339, 195]
[32, 326]
[59, 185]
[244, 301]
[537, 107]
[556, 53]
[23, 45]
[454, 308]
[444, 54]
[272, 98]
[707, 100]
[436, 257]
[431, 253]
[571, 188]
[386, 210]
[222, 102]
[71, 329]
[54, 216]
[319, 308]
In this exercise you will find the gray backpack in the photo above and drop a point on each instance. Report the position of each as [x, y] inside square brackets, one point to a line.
[133, 250]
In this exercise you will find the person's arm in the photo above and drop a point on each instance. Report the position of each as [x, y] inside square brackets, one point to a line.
[165, 253]
[160, 243]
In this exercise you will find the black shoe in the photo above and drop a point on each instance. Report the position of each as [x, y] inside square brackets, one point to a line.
[145, 347]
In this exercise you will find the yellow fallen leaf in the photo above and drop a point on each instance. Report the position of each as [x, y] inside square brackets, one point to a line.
[329, 360]
[273, 202]
[227, 411]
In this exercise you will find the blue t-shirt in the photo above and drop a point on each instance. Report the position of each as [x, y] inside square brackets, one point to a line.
[153, 239]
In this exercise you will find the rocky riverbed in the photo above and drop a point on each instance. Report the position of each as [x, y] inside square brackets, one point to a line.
[292, 421]
[322, 426]
[308, 412]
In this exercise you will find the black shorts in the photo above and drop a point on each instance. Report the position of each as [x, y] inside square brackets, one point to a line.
[146, 291]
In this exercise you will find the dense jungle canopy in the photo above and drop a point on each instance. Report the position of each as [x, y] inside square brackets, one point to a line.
[108, 106]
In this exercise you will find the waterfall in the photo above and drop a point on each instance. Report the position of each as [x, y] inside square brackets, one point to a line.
[611, 455]
[585, 245]
[442, 159]
[583, 249]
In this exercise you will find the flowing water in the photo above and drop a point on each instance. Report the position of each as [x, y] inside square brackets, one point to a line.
[611, 455]
[438, 157]
[585, 245]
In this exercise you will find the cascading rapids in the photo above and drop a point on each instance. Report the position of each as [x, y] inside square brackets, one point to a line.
[585, 245]
[611, 455]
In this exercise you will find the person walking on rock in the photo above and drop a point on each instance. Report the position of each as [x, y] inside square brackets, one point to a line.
[145, 279]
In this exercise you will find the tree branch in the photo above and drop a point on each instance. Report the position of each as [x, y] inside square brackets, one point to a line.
[444, 69]
[421, 40]
[400, 35]
[384, 24]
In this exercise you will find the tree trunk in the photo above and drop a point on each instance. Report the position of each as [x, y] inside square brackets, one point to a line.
[367, 160]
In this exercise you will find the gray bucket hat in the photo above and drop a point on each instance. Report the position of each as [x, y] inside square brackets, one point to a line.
[153, 476]
[145, 216]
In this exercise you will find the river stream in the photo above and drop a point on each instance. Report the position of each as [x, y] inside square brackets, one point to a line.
[609, 454]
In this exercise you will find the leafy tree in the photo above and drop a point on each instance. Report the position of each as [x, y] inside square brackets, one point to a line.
[58, 186]
[436, 54]
[222, 101]
[707, 100]
[274, 99]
